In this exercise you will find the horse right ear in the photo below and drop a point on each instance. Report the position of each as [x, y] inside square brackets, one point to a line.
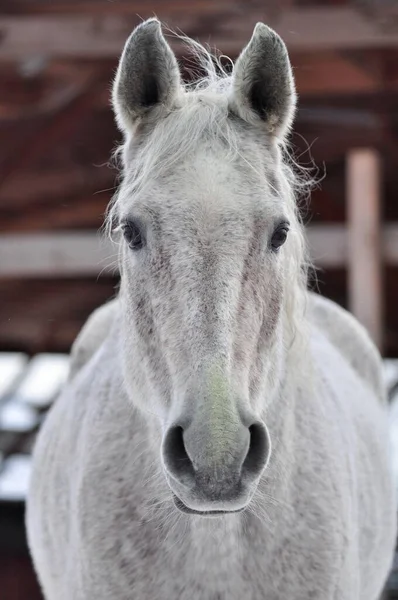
[148, 78]
[263, 90]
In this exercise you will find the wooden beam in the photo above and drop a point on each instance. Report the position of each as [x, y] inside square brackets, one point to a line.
[320, 27]
[104, 7]
[364, 256]
[66, 254]
[50, 255]
[90, 35]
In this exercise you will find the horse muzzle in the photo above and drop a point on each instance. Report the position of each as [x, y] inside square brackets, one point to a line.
[214, 471]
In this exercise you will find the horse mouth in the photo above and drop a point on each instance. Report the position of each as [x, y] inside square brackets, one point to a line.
[203, 513]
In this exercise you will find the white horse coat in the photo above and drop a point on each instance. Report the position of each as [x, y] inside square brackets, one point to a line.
[224, 432]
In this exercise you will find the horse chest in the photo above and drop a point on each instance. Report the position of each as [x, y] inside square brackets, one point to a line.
[179, 563]
[185, 560]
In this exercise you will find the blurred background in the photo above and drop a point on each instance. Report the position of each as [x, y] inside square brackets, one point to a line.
[57, 59]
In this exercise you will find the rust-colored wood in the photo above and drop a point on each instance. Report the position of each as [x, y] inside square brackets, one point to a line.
[118, 7]
[33, 185]
[17, 578]
[364, 260]
[39, 315]
[312, 28]
[71, 213]
[59, 125]
[316, 73]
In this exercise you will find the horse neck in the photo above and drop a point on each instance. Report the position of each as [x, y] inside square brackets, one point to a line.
[293, 380]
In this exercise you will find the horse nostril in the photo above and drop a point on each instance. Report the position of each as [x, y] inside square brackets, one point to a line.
[175, 456]
[258, 453]
[247, 465]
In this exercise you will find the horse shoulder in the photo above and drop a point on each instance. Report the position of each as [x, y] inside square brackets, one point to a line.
[92, 335]
[350, 338]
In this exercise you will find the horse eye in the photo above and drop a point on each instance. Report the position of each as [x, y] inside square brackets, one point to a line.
[279, 236]
[133, 235]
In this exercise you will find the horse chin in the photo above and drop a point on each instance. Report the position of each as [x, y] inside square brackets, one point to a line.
[203, 513]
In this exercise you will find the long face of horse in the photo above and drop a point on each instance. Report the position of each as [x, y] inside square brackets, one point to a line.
[204, 259]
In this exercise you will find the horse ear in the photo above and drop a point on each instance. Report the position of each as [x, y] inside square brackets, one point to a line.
[263, 85]
[148, 77]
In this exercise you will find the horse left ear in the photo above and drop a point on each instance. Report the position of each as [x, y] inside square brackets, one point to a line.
[263, 84]
[147, 80]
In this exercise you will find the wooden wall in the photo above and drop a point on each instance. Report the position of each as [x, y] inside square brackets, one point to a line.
[56, 63]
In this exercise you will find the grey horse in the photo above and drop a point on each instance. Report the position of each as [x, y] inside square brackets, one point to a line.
[223, 434]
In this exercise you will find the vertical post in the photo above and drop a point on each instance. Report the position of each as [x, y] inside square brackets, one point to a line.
[363, 191]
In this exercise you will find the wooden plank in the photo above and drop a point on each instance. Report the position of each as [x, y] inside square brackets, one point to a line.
[104, 36]
[49, 255]
[105, 7]
[364, 257]
[327, 245]
[59, 125]
[331, 27]
[333, 73]
[66, 254]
